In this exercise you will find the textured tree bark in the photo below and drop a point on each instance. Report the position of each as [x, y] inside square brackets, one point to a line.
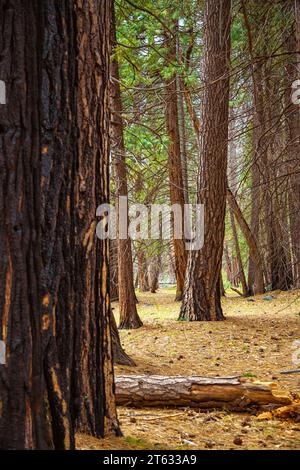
[175, 167]
[92, 380]
[202, 289]
[200, 392]
[129, 318]
[23, 398]
[54, 309]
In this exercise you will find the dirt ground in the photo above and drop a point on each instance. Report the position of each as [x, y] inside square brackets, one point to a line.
[255, 341]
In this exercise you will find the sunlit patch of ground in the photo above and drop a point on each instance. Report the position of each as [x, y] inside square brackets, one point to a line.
[255, 341]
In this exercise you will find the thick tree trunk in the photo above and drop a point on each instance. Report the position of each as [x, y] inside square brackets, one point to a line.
[129, 317]
[176, 180]
[23, 392]
[54, 154]
[92, 381]
[200, 392]
[202, 291]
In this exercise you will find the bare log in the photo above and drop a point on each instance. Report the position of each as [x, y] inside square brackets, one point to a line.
[200, 392]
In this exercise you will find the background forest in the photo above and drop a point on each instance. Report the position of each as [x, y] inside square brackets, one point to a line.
[160, 56]
[140, 343]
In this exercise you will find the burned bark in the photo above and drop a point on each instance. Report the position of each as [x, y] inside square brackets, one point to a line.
[22, 379]
[54, 154]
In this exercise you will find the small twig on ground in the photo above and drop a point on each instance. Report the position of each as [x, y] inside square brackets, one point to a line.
[292, 371]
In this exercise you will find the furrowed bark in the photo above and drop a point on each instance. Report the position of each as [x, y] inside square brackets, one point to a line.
[92, 380]
[22, 385]
[55, 173]
[202, 286]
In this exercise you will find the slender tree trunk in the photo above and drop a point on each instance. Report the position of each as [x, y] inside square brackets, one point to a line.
[251, 241]
[154, 270]
[241, 276]
[129, 317]
[222, 288]
[279, 265]
[183, 140]
[253, 276]
[202, 293]
[54, 307]
[228, 264]
[233, 184]
[293, 143]
[143, 272]
[114, 271]
[175, 163]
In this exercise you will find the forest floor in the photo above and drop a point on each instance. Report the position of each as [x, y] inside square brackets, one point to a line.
[255, 341]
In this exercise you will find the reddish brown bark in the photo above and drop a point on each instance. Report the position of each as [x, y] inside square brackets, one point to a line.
[202, 294]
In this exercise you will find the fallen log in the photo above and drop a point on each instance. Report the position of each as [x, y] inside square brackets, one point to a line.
[200, 392]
